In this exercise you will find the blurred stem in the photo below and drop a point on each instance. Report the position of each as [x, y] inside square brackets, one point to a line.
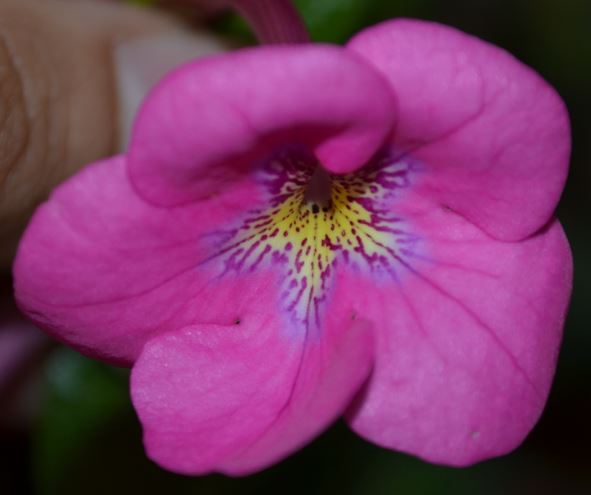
[273, 21]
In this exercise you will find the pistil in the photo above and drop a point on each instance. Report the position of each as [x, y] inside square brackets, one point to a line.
[319, 190]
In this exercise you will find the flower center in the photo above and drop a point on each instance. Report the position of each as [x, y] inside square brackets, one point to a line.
[315, 221]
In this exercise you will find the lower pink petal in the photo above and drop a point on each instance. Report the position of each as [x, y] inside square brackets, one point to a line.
[238, 398]
[468, 336]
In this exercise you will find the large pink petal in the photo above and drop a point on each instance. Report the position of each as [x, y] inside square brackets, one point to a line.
[493, 134]
[237, 398]
[102, 270]
[214, 119]
[468, 336]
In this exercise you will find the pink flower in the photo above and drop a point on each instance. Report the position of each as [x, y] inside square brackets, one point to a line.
[301, 232]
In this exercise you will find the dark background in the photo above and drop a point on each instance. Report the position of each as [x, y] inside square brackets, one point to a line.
[82, 435]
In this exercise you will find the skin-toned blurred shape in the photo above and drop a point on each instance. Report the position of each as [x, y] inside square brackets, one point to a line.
[72, 73]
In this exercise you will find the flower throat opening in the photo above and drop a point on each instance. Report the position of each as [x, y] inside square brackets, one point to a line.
[310, 221]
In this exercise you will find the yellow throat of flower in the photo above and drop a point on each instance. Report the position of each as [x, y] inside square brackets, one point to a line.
[315, 221]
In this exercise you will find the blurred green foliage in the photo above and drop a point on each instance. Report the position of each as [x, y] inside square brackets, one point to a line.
[83, 398]
[331, 21]
[88, 440]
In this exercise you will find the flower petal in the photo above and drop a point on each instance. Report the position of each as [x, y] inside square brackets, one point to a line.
[494, 135]
[467, 340]
[238, 398]
[102, 270]
[214, 119]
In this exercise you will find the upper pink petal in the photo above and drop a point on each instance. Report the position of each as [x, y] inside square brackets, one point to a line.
[214, 119]
[493, 134]
[468, 336]
[238, 398]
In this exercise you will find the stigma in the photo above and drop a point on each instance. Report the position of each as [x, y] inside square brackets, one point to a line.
[318, 191]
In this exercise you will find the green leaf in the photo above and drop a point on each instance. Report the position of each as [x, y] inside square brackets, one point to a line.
[82, 398]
